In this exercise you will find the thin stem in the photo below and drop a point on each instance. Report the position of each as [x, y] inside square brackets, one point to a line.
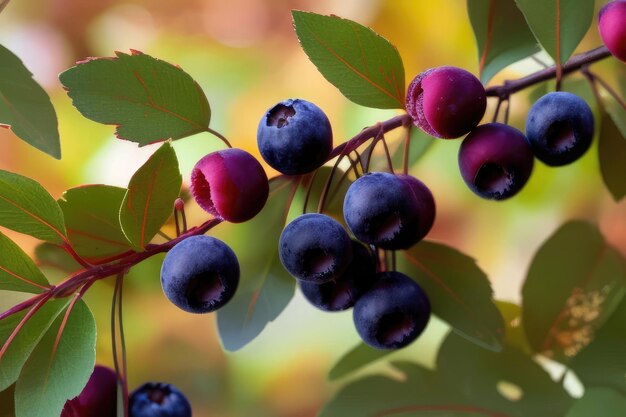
[389, 161]
[574, 64]
[606, 87]
[539, 61]
[120, 319]
[506, 112]
[164, 235]
[497, 110]
[67, 247]
[219, 136]
[407, 150]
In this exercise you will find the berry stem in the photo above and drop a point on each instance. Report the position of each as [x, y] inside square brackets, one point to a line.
[219, 136]
[573, 64]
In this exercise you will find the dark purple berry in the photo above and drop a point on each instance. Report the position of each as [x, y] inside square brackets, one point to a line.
[559, 128]
[495, 161]
[612, 27]
[98, 398]
[295, 137]
[200, 274]
[381, 209]
[425, 205]
[157, 399]
[315, 247]
[342, 292]
[230, 184]
[446, 102]
[392, 313]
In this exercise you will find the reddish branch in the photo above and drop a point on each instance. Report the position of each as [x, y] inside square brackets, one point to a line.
[115, 265]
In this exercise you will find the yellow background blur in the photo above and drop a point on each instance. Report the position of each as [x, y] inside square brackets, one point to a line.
[246, 57]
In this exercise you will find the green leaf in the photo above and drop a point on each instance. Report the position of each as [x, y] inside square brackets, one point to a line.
[49, 256]
[92, 218]
[25, 107]
[26, 207]
[615, 109]
[149, 201]
[508, 381]
[418, 393]
[611, 153]
[60, 365]
[514, 335]
[148, 99]
[265, 287]
[603, 402]
[17, 271]
[574, 283]
[602, 362]
[364, 66]
[458, 289]
[558, 25]
[502, 35]
[356, 358]
[26, 339]
[7, 404]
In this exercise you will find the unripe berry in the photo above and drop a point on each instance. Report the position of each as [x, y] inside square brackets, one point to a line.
[612, 27]
[230, 184]
[495, 161]
[446, 102]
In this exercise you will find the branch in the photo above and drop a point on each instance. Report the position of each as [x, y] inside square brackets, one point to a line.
[574, 64]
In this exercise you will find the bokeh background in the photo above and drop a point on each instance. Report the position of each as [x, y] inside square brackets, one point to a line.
[246, 57]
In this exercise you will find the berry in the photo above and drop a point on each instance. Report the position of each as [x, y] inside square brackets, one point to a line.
[612, 27]
[559, 128]
[315, 248]
[495, 161]
[230, 184]
[157, 399]
[392, 313]
[446, 102]
[425, 205]
[295, 137]
[381, 209]
[342, 292]
[97, 399]
[200, 274]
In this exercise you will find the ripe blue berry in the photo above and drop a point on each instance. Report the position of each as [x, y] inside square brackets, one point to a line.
[446, 102]
[392, 313]
[612, 27]
[157, 399]
[295, 137]
[200, 274]
[559, 128]
[425, 206]
[315, 248]
[342, 292]
[381, 209]
[230, 184]
[495, 161]
[98, 398]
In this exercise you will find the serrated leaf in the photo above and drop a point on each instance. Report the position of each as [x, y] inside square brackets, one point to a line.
[148, 99]
[611, 154]
[363, 65]
[603, 402]
[558, 25]
[265, 287]
[26, 339]
[25, 107]
[17, 271]
[501, 33]
[418, 393]
[356, 358]
[574, 283]
[603, 361]
[26, 207]
[60, 366]
[458, 290]
[92, 218]
[477, 373]
[149, 200]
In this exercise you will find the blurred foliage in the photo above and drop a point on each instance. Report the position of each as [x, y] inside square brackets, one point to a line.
[246, 57]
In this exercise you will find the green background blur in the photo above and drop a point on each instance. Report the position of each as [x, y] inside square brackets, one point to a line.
[246, 57]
